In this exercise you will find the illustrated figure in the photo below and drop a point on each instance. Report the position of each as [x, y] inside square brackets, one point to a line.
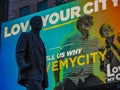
[31, 57]
[112, 56]
[79, 76]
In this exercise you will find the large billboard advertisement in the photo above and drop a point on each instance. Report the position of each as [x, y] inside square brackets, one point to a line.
[82, 41]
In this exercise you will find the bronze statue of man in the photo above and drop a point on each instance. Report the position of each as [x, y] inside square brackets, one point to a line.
[31, 57]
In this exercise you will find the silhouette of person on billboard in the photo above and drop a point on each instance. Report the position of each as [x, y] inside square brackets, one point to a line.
[31, 57]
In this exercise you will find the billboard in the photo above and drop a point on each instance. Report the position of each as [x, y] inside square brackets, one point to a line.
[82, 41]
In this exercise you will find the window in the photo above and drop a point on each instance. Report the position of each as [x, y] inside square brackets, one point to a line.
[24, 11]
[42, 5]
[58, 2]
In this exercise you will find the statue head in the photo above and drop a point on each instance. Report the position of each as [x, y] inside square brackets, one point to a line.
[36, 23]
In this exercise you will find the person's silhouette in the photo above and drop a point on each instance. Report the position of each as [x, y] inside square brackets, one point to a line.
[31, 57]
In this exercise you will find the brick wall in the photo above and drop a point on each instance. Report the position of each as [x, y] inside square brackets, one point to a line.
[15, 5]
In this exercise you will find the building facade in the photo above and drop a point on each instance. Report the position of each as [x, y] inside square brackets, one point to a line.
[3, 14]
[3, 10]
[19, 8]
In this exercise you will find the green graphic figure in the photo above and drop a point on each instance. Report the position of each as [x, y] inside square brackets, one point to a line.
[79, 75]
